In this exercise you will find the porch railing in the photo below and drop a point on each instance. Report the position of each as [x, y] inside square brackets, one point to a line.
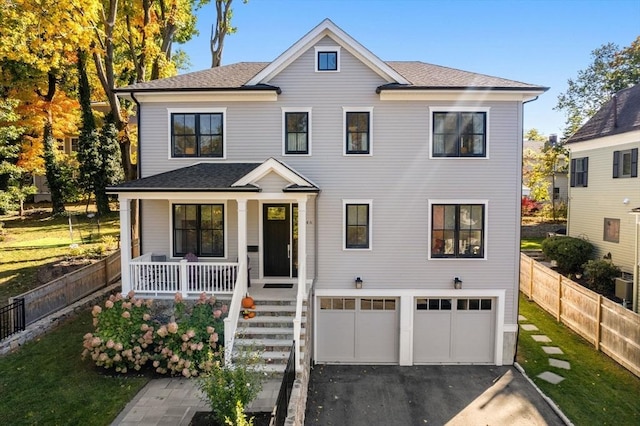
[152, 278]
[231, 321]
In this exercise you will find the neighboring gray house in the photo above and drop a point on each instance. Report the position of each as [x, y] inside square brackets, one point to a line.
[387, 193]
[604, 184]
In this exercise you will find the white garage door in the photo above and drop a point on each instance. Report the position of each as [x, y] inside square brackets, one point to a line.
[357, 330]
[454, 330]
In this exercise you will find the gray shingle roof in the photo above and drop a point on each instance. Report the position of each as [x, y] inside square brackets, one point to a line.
[420, 74]
[620, 114]
[199, 177]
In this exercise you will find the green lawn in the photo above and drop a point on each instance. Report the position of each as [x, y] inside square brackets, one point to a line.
[37, 240]
[47, 383]
[531, 243]
[596, 391]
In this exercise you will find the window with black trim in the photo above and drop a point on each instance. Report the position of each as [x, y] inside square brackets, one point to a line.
[357, 226]
[457, 230]
[579, 172]
[358, 132]
[625, 163]
[459, 134]
[296, 132]
[198, 229]
[327, 61]
[197, 135]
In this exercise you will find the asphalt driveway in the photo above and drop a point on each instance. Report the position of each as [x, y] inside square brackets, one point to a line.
[424, 395]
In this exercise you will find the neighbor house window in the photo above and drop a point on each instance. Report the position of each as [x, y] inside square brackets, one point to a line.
[74, 144]
[457, 230]
[611, 230]
[297, 131]
[579, 171]
[327, 58]
[625, 163]
[357, 231]
[198, 229]
[197, 135]
[357, 128]
[459, 133]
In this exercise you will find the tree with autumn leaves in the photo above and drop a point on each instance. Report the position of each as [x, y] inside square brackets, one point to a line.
[128, 41]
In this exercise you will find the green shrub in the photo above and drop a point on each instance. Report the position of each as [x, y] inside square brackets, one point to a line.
[570, 253]
[600, 275]
[224, 386]
[240, 417]
[560, 210]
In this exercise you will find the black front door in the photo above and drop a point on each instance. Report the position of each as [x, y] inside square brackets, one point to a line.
[277, 240]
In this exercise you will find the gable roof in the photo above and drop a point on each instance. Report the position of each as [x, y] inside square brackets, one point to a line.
[216, 177]
[398, 74]
[621, 114]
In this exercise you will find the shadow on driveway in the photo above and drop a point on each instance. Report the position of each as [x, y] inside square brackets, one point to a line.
[424, 395]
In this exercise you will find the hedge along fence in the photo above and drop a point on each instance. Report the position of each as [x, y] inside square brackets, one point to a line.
[64, 291]
[611, 328]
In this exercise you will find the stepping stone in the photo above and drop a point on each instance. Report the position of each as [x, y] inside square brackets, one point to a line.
[552, 350]
[541, 338]
[559, 363]
[529, 327]
[550, 377]
[522, 318]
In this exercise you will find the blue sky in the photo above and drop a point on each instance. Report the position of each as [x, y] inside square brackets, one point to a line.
[544, 42]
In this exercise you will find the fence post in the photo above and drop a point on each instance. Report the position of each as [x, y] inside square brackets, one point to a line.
[558, 316]
[183, 277]
[598, 321]
[530, 278]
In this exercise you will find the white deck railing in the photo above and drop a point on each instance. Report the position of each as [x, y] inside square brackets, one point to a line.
[151, 278]
[231, 321]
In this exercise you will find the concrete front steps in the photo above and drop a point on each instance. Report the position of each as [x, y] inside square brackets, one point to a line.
[270, 332]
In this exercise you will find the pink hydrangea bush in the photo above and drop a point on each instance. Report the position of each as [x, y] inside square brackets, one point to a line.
[190, 345]
[123, 336]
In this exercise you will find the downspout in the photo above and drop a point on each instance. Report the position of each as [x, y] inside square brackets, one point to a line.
[517, 301]
[138, 167]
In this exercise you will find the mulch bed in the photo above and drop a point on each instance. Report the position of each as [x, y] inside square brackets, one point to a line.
[205, 418]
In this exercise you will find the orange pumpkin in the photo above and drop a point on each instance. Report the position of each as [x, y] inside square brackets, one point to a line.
[247, 302]
[246, 317]
[253, 306]
[252, 314]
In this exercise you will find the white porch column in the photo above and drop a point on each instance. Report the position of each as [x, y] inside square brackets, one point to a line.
[302, 246]
[125, 243]
[242, 243]
[406, 330]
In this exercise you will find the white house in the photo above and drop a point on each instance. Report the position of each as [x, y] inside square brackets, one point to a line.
[604, 193]
[387, 193]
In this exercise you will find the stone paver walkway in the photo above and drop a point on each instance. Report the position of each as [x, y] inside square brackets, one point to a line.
[549, 376]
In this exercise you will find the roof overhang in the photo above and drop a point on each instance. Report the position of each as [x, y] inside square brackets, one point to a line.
[297, 181]
[609, 141]
[397, 93]
[253, 94]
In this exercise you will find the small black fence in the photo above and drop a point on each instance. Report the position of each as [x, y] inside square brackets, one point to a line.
[282, 404]
[12, 318]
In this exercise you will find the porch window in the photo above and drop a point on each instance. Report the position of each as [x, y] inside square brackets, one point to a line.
[459, 134]
[357, 225]
[457, 230]
[296, 132]
[358, 131]
[579, 172]
[198, 229]
[197, 135]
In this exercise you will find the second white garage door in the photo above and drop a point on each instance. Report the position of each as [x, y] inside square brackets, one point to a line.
[454, 330]
[357, 330]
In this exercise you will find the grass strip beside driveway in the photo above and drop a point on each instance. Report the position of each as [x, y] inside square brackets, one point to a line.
[47, 382]
[596, 390]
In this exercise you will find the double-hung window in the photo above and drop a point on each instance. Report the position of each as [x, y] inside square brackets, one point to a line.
[296, 131]
[579, 172]
[357, 231]
[198, 229]
[458, 133]
[625, 163]
[197, 134]
[357, 131]
[457, 230]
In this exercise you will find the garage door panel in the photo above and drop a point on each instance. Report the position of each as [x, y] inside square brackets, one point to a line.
[475, 339]
[432, 337]
[336, 330]
[377, 336]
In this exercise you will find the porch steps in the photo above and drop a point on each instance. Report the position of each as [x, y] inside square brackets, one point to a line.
[270, 332]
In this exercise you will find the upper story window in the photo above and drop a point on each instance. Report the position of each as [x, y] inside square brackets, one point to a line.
[197, 134]
[357, 127]
[459, 133]
[327, 58]
[625, 163]
[74, 144]
[579, 172]
[457, 230]
[357, 223]
[296, 131]
[198, 229]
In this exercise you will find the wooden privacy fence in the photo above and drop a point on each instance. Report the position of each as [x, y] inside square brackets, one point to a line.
[611, 328]
[70, 288]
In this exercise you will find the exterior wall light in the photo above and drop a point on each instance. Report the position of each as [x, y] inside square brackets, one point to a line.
[358, 282]
[457, 283]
